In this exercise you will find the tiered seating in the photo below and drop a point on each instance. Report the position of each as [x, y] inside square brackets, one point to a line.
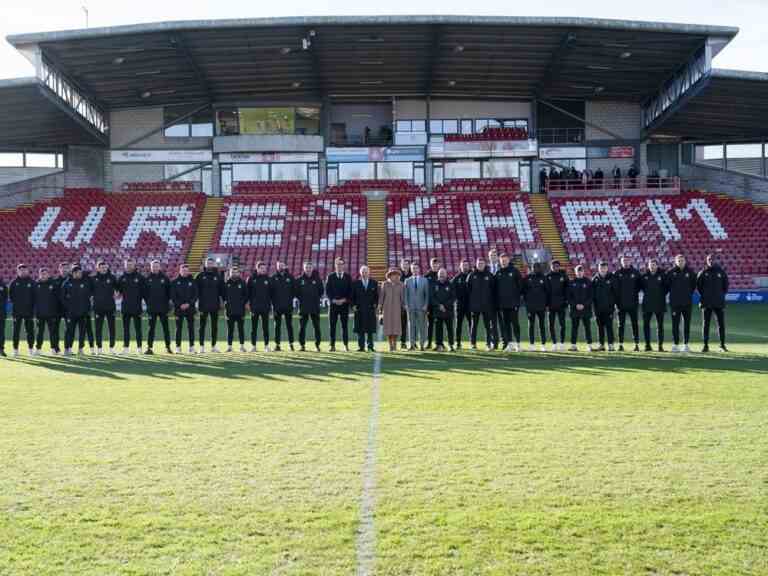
[271, 187]
[294, 229]
[692, 223]
[456, 226]
[360, 186]
[172, 186]
[479, 185]
[490, 134]
[86, 225]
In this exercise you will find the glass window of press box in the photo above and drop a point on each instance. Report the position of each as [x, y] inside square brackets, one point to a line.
[198, 125]
[290, 120]
[31, 160]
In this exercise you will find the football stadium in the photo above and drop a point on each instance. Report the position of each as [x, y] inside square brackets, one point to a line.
[407, 295]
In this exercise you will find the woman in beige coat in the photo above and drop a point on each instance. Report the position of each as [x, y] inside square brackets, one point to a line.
[391, 303]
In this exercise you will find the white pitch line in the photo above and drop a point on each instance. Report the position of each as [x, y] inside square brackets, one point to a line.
[366, 532]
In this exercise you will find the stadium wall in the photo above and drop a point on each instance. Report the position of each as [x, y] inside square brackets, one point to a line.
[622, 119]
[737, 185]
[11, 175]
[129, 124]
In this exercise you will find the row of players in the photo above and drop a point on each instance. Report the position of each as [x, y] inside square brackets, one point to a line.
[429, 305]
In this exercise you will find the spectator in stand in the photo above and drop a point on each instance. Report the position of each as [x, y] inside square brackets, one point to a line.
[599, 178]
[633, 174]
[616, 176]
[543, 177]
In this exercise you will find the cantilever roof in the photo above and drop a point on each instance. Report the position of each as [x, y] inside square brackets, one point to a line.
[31, 119]
[372, 57]
[733, 105]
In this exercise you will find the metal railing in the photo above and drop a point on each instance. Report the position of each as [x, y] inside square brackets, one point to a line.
[561, 135]
[617, 186]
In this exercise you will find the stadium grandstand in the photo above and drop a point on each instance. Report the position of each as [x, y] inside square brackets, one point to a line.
[378, 138]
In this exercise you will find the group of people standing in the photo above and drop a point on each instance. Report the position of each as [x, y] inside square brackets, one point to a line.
[416, 307]
[413, 307]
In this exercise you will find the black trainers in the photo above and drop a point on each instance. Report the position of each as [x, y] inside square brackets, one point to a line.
[168, 350]
[149, 352]
[621, 347]
[723, 348]
[291, 346]
[661, 348]
[637, 348]
[302, 348]
[648, 348]
[317, 347]
[277, 348]
[332, 348]
[705, 348]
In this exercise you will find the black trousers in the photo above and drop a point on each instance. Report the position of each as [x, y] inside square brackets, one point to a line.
[335, 314]
[127, 319]
[430, 327]
[403, 327]
[462, 314]
[189, 317]
[442, 325]
[720, 315]
[510, 325]
[57, 326]
[647, 316]
[486, 323]
[559, 315]
[110, 318]
[684, 313]
[361, 340]
[532, 318]
[53, 334]
[153, 318]
[214, 316]
[232, 323]
[587, 322]
[304, 318]
[2, 330]
[264, 318]
[80, 324]
[632, 313]
[29, 330]
[604, 327]
[279, 317]
[495, 318]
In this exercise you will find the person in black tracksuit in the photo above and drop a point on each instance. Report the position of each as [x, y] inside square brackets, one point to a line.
[157, 295]
[210, 289]
[309, 291]
[235, 299]
[627, 286]
[653, 283]
[184, 296]
[712, 284]
[459, 283]
[442, 300]
[22, 295]
[405, 273]
[338, 290]
[557, 301]
[47, 305]
[76, 296]
[431, 276]
[281, 294]
[681, 283]
[131, 287]
[61, 315]
[481, 294]
[580, 298]
[604, 296]
[508, 289]
[3, 305]
[260, 302]
[536, 294]
[104, 286]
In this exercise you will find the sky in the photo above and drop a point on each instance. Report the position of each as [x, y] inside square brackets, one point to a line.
[746, 52]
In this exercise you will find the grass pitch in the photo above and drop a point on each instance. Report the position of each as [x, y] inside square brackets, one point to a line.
[486, 463]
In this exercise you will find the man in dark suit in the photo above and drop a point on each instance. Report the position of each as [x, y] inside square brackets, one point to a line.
[462, 299]
[338, 289]
[405, 273]
[365, 299]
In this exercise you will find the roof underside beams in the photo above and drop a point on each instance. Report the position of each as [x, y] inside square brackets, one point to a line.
[372, 58]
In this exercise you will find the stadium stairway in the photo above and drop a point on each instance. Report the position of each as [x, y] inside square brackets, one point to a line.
[377, 237]
[548, 229]
[206, 228]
